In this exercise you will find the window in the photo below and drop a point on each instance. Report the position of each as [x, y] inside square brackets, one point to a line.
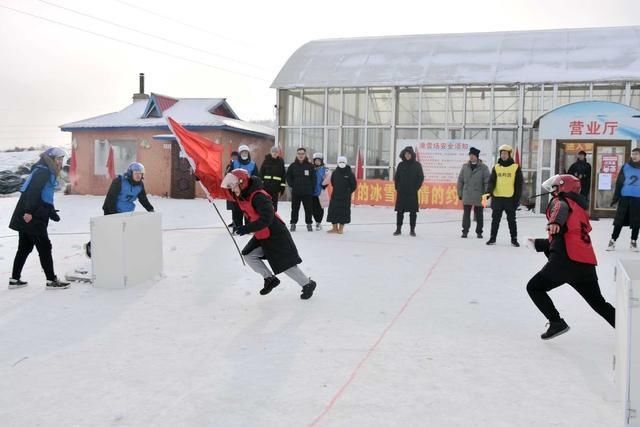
[433, 134]
[612, 93]
[573, 93]
[478, 105]
[333, 146]
[354, 107]
[434, 106]
[635, 96]
[402, 134]
[408, 106]
[124, 153]
[313, 107]
[379, 107]
[476, 133]
[532, 109]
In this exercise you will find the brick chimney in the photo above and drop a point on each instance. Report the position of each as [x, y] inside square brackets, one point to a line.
[140, 94]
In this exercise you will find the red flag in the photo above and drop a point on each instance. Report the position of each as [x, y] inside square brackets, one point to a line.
[516, 157]
[359, 166]
[205, 158]
[111, 165]
[73, 167]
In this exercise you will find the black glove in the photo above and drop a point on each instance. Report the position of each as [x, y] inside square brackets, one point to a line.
[241, 230]
[53, 215]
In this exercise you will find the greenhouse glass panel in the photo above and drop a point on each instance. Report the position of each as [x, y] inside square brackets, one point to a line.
[313, 107]
[434, 106]
[455, 105]
[505, 102]
[290, 107]
[290, 140]
[478, 105]
[408, 106]
[378, 147]
[352, 140]
[635, 96]
[312, 140]
[379, 106]
[334, 104]
[610, 92]
[333, 146]
[354, 107]
[476, 133]
[573, 93]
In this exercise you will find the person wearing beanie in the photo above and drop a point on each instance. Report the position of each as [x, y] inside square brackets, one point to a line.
[321, 171]
[505, 188]
[31, 217]
[581, 169]
[344, 184]
[242, 162]
[472, 184]
[301, 177]
[273, 175]
[627, 197]
[408, 179]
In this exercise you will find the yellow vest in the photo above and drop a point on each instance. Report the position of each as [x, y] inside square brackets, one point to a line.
[506, 180]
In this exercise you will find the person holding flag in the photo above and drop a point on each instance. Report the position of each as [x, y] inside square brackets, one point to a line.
[271, 240]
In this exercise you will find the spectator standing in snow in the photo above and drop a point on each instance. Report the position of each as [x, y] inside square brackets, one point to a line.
[505, 187]
[123, 192]
[408, 180]
[31, 218]
[581, 169]
[344, 183]
[301, 177]
[627, 196]
[570, 255]
[273, 175]
[321, 171]
[472, 184]
[271, 240]
[242, 162]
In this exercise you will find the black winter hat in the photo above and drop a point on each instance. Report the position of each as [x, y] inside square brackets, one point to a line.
[474, 151]
[584, 153]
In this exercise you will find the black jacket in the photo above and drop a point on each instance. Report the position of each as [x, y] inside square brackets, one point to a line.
[301, 177]
[581, 169]
[273, 174]
[344, 184]
[279, 249]
[31, 202]
[408, 180]
[517, 185]
[628, 210]
[111, 200]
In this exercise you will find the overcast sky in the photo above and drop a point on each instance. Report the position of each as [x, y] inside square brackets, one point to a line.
[52, 74]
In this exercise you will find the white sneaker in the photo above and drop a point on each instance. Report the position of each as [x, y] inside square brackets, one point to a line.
[634, 246]
[318, 226]
[612, 245]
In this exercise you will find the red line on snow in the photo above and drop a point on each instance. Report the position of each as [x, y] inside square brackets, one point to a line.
[353, 375]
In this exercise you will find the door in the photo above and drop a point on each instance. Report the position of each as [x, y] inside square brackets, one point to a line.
[608, 159]
[182, 180]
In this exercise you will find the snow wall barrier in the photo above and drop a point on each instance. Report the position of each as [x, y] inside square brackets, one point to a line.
[126, 249]
[627, 356]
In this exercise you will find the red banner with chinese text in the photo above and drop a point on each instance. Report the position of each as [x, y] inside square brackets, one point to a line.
[378, 192]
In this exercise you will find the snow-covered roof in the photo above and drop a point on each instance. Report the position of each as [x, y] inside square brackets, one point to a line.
[189, 112]
[576, 55]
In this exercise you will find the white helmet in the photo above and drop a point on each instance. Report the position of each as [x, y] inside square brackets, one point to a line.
[55, 152]
[243, 148]
[318, 156]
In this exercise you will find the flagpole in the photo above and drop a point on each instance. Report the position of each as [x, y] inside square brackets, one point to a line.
[224, 224]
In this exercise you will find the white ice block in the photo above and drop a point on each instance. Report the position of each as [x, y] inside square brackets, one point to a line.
[126, 248]
[627, 358]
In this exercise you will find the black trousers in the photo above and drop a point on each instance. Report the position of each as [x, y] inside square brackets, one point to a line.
[618, 228]
[466, 218]
[539, 285]
[295, 208]
[413, 216]
[318, 210]
[274, 199]
[237, 215]
[499, 205]
[26, 242]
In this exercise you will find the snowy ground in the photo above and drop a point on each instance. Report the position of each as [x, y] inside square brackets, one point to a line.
[434, 330]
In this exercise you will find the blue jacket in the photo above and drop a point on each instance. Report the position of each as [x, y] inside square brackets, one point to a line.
[321, 171]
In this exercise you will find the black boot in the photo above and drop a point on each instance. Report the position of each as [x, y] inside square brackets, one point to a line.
[399, 220]
[555, 329]
[269, 283]
[514, 242]
[413, 232]
[307, 290]
[491, 241]
[398, 231]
